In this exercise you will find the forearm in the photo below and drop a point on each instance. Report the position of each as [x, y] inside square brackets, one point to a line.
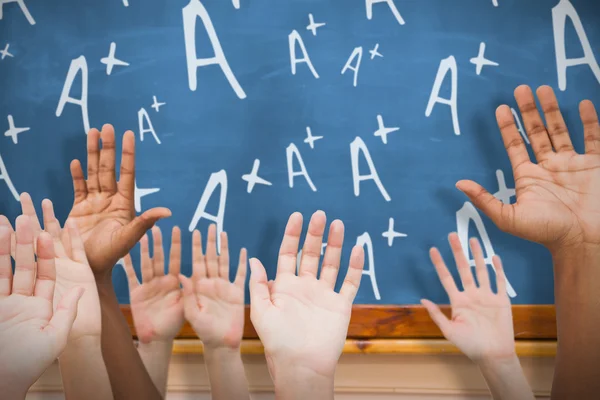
[296, 383]
[226, 374]
[128, 376]
[156, 356]
[577, 297]
[506, 380]
[83, 371]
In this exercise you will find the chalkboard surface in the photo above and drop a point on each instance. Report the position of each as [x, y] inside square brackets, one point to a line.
[370, 110]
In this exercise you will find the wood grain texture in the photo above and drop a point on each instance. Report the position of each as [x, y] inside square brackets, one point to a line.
[411, 321]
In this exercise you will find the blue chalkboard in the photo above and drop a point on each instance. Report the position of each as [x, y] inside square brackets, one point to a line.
[264, 98]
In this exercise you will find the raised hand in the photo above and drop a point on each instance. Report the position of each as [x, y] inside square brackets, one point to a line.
[156, 303]
[104, 209]
[557, 198]
[300, 319]
[32, 334]
[214, 306]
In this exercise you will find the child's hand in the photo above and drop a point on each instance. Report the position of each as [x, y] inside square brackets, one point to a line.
[481, 325]
[156, 303]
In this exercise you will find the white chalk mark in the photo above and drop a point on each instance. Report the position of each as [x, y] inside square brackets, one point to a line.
[362, 240]
[560, 12]
[4, 176]
[359, 146]
[391, 5]
[191, 13]
[156, 105]
[463, 216]
[375, 52]
[294, 38]
[290, 152]
[13, 131]
[139, 193]
[519, 125]
[503, 194]
[382, 131]
[480, 61]
[111, 61]
[21, 4]
[299, 256]
[391, 234]
[216, 179]
[236, 4]
[446, 65]
[310, 139]
[78, 64]
[126, 3]
[312, 26]
[252, 178]
[143, 116]
[5, 52]
[356, 54]
[495, 3]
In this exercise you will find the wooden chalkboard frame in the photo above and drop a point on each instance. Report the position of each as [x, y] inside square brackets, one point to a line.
[371, 322]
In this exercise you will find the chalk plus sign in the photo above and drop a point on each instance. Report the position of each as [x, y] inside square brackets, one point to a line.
[156, 105]
[382, 131]
[391, 234]
[503, 194]
[312, 26]
[310, 139]
[252, 178]
[12, 131]
[5, 52]
[139, 193]
[480, 61]
[375, 53]
[111, 61]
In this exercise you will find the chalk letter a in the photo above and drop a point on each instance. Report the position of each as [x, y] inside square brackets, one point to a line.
[447, 64]
[390, 3]
[362, 240]
[357, 53]
[21, 4]
[191, 12]
[468, 213]
[216, 179]
[560, 12]
[294, 38]
[78, 64]
[4, 176]
[143, 116]
[359, 146]
[290, 152]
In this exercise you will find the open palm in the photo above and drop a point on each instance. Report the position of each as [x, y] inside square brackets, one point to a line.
[557, 198]
[156, 303]
[214, 306]
[301, 319]
[481, 325]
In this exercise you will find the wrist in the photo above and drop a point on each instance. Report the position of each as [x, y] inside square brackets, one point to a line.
[294, 381]
[84, 345]
[156, 345]
[221, 352]
[576, 273]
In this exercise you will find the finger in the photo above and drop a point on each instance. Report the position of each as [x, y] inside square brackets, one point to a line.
[175, 252]
[23, 281]
[591, 127]
[536, 131]
[64, 316]
[132, 279]
[93, 161]
[446, 278]
[311, 252]
[500, 277]
[212, 263]
[224, 257]
[333, 253]
[51, 224]
[198, 261]
[4, 222]
[131, 233]
[240, 277]
[29, 210]
[481, 270]
[145, 260]
[353, 276]
[77, 245]
[288, 252]
[260, 297]
[5, 264]
[438, 317]
[46, 269]
[190, 302]
[126, 185]
[79, 186]
[557, 129]
[158, 255]
[501, 214]
[108, 155]
[513, 141]
[464, 269]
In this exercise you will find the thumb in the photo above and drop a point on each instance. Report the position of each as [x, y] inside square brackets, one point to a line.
[260, 296]
[64, 316]
[438, 317]
[501, 214]
[131, 233]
